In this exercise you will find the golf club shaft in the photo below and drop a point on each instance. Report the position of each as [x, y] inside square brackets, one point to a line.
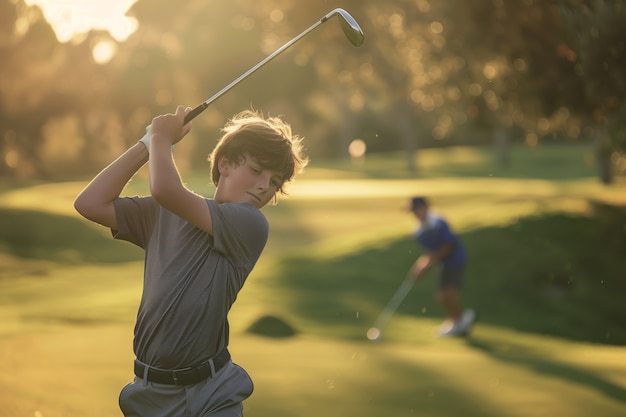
[394, 303]
[200, 108]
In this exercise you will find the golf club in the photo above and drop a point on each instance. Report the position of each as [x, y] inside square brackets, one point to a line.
[349, 26]
[375, 332]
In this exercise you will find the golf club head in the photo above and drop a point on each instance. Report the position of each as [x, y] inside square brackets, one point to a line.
[350, 27]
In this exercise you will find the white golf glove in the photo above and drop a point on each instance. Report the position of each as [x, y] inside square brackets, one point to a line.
[146, 139]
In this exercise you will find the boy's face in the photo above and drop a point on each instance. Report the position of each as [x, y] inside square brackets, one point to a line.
[421, 212]
[246, 182]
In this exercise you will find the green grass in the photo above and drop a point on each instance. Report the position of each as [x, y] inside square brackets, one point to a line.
[546, 242]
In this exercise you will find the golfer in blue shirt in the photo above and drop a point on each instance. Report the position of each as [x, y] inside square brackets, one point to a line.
[442, 247]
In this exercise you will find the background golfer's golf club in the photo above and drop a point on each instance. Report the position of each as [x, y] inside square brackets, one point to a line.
[375, 332]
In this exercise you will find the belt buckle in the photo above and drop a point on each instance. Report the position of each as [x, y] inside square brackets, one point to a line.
[175, 377]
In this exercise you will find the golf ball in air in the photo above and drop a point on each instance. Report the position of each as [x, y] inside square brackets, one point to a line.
[373, 334]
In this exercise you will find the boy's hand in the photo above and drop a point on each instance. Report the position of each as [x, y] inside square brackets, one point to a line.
[421, 265]
[169, 127]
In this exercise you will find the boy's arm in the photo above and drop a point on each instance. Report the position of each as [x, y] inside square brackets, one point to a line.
[95, 202]
[429, 259]
[443, 251]
[166, 185]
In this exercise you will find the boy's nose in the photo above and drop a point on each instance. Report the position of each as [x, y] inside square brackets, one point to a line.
[264, 182]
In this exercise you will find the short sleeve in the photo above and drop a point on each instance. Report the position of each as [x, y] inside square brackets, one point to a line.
[136, 217]
[240, 231]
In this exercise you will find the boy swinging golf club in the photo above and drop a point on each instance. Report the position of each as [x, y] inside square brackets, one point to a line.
[441, 247]
[198, 251]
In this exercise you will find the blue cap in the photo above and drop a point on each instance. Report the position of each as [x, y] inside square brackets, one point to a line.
[418, 202]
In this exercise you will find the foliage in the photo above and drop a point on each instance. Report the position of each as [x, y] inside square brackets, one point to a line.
[595, 29]
[430, 73]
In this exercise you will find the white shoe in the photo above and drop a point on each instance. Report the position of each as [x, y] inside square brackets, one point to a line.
[460, 327]
[445, 327]
[451, 328]
[467, 320]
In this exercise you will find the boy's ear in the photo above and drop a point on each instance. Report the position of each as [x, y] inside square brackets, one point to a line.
[224, 166]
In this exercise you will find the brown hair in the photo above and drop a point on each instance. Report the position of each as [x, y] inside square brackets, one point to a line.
[269, 141]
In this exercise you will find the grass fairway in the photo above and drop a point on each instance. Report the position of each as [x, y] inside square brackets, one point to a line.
[547, 246]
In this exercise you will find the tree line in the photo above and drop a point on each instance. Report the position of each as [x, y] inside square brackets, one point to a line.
[430, 73]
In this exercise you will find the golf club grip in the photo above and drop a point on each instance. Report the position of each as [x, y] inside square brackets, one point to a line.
[193, 113]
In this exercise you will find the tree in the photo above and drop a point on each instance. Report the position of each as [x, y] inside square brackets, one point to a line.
[27, 70]
[430, 73]
[597, 36]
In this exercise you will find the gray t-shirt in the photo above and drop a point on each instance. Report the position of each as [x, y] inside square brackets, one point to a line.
[191, 278]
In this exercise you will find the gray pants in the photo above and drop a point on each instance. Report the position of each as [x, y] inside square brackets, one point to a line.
[219, 396]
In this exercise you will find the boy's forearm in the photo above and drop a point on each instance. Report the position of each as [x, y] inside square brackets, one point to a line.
[164, 177]
[110, 182]
[441, 252]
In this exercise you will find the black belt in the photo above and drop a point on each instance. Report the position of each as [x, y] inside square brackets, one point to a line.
[185, 376]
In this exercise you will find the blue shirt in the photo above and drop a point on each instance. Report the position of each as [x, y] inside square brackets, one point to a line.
[434, 233]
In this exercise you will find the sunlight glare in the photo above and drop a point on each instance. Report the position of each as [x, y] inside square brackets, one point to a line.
[71, 18]
[103, 51]
[357, 148]
[277, 15]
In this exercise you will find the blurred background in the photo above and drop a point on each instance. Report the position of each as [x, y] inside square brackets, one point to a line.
[79, 81]
[507, 113]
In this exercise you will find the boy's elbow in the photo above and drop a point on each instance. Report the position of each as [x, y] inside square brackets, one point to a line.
[80, 205]
[165, 193]
[85, 207]
[96, 212]
[158, 192]
[164, 198]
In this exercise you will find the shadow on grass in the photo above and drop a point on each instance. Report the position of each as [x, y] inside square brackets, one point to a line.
[555, 274]
[415, 390]
[378, 384]
[273, 327]
[504, 351]
[37, 235]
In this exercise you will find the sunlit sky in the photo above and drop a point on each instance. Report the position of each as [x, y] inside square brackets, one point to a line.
[70, 18]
